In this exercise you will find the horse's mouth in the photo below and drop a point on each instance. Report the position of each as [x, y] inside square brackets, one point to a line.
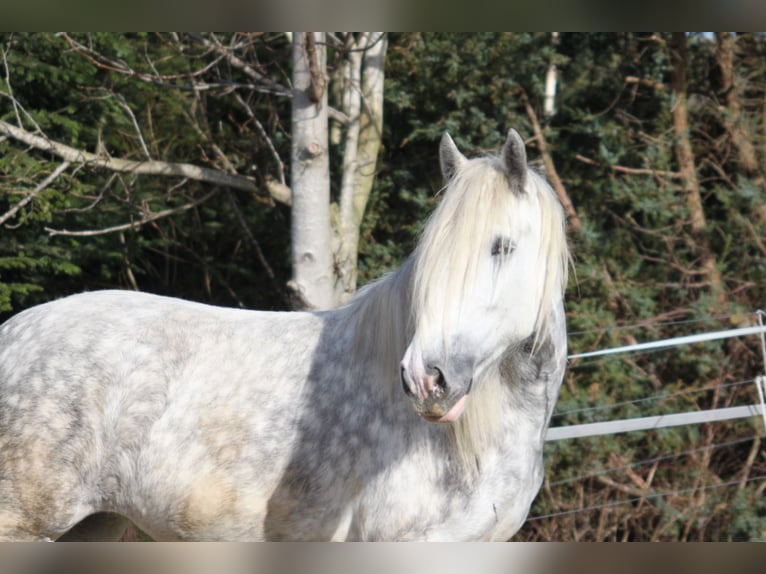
[435, 416]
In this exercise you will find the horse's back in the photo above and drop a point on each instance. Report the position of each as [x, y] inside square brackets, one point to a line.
[118, 402]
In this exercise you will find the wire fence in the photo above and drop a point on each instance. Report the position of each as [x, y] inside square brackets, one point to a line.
[614, 426]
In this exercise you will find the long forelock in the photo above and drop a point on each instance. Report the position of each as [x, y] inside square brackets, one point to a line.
[476, 203]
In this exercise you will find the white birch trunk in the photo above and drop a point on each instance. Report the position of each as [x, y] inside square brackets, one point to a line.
[549, 104]
[313, 277]
[364, 98]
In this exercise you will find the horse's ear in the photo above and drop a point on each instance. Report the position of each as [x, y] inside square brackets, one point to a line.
[450, 157]
[514, 156]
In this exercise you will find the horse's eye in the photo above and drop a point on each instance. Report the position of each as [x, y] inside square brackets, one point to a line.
[502, 246]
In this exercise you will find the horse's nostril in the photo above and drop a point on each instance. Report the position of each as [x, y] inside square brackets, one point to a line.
[405, 384]
[441, 382]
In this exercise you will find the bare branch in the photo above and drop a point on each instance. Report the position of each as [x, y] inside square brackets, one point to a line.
[251, 238]
[133, 225]
[279, 191]
[17, 107]
[154, 167]
[240, 64]
[755, 236]
[621, 487]
[318, 80]
[40, 187]
[550, 168]
[631, 170]
[338, 116]
[228, 166]
[8, 83]
[126, 262]
[659, 86]
[265, 136]
[101, 61]
[171, 80]
[98, 198]
[124, 105]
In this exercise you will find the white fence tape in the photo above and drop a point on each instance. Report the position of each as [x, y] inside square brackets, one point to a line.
[674, 342]
[670, 420]
[650, 423]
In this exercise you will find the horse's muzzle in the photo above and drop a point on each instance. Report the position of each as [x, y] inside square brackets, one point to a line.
[432, 397]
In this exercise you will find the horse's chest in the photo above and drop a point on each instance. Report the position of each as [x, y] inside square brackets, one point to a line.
[496, 509]
[492, 506]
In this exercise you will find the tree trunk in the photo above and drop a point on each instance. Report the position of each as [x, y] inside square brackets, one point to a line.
[686, 164]
[549, 104]
[364, 97]
[573, 220]
[732, 119]
[312, 282]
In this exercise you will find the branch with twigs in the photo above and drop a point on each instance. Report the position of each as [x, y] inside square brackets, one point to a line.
[229, 167]
[260, 83]
[32, 194]
[153, 167]
[550, 168]
[134, 225]
[235, 61]
[17, 107]
[187, 81]
[631, 170]
[277, 188]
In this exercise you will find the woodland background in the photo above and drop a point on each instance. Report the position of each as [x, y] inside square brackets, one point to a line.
[656, 143]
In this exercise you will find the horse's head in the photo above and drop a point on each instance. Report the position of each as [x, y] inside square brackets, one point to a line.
[491, 263]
